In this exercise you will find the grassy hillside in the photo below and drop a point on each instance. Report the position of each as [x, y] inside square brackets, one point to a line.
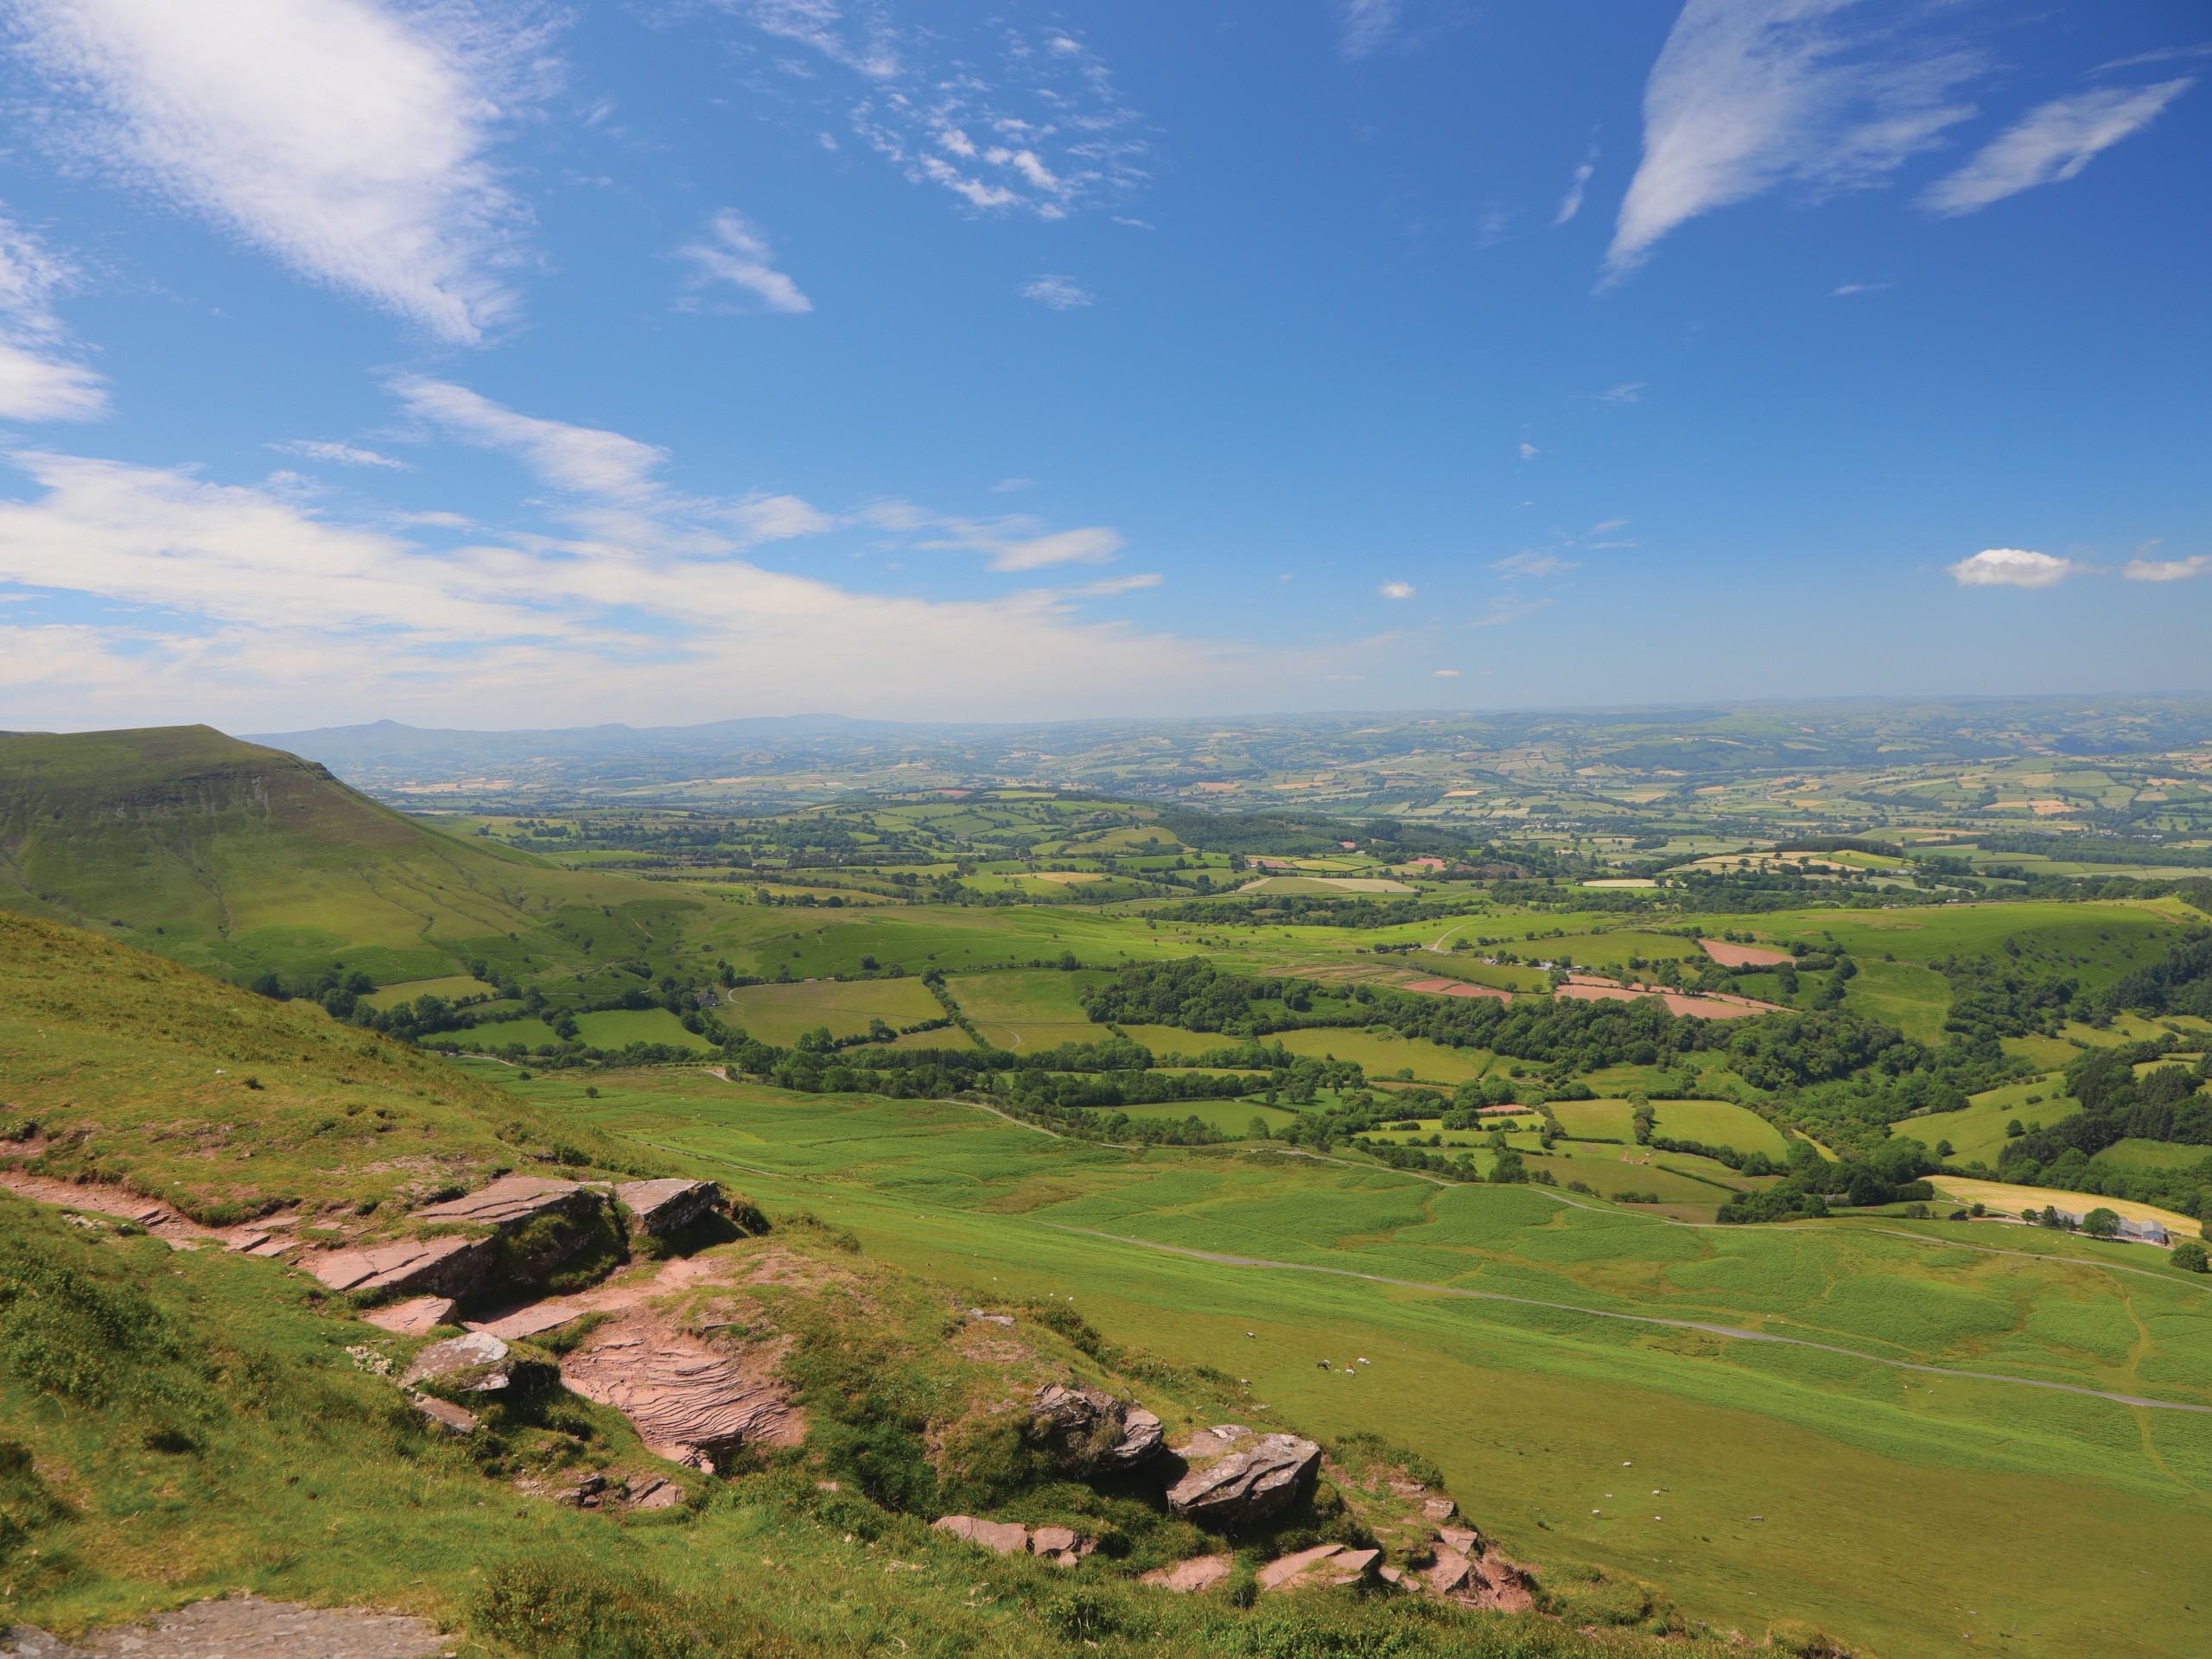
[1502, 1326]
[115, 1066]
[242, 859]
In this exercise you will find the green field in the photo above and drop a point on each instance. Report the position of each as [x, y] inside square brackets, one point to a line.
[1384, 1054]
[1849, 1464]
[2153, 1154]
[619, 1027]
[529, 1031]
[1718, 1123]
[1978, 1133]
[450, 987]
[1600, 1120]
[1030, 1007]
[783, 1014]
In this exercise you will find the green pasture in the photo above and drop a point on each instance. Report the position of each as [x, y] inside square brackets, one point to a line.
[620, 1027]
[783, 1014]
[1383, 1053]
[1718, 1123]
[1600, 1120]
[450, 987]
[2021, 1504]
[2153, 1154]
[530, 1031]
[1978, 1132]
[1029, 1007]
[1225, 1116]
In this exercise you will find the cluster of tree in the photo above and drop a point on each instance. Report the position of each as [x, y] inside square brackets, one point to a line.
[1811, 1185]
[1993, 999]
[2093, 849]
[2179, 983]
[2167, 1103]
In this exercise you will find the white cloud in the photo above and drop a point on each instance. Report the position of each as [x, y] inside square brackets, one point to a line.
[737, 253]
[2168, 569]
[1750, 95]
[1628, 392]
[1447, 673]
[2013, 567]
[38, 381]
[1571, 203]
[1007, 119]
[246, 605]
[1529, 452]
[1531, 564]
[1095, 545]
[1115, 585]
[348, 138]
[1368, 25]
[583, 460]
[1396, 590]
[1844, 290]
[1061, 293]
[2052, 142]
[1507, 608]
[777, 518]
[1603, 526]
[341, 454]
[1009, 486]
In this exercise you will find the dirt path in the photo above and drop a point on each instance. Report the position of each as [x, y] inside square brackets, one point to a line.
[249, 1628]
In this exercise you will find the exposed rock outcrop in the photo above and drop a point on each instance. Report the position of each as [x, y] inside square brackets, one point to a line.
[1237, 1477]
[1093, 1429]
[1199, 1572]
[692, 1404]
[1005, 1537]
[669, 1206]
[455, 1264]
[476, 1364]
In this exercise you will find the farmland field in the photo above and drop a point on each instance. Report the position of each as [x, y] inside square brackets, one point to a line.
[1718, 1123]
[1858, 1468]
[1384, 1054]
[1600, 1120]
[449, 987]
[783, 1014]
[619, 1027]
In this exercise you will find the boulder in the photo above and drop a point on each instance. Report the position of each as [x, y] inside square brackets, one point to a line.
[476, 1364]
[1285, 1569]
[1051, 1541]
[1437, 1510]
[1247, 1484]
[444, 1413]
[415, 1317]
[651, 1492]
[1142, 1436]
[1350, 1566]
[1094, 1429]
[1450, 1573]
[1465, 1540]
[1004, 1537]
[1199, 1572]
[667, 1206]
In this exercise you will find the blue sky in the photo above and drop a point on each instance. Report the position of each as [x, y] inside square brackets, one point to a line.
[496, 365]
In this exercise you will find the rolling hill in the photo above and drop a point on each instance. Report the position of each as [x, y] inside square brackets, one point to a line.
[239, 859]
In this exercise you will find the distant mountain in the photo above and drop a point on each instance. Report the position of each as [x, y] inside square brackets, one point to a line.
[239, 857]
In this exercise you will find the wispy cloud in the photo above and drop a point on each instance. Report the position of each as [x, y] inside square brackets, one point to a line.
[348, 138]
[2052, 142]
[2013, 567]
[1520, 566]
[1060, 293]
[1631, 391]
[1529, 452]
[1751, 95]
[737, 254]
[1396, 590]
[1006, 118]
[1844, 290]
[1116, 585]
[581, 460]
[1447, 674]
[1507, 607]
[2168, 569]
[1577, 185]
[339, 455]
[39, 379]
[1367, 26]
[1012, 544]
